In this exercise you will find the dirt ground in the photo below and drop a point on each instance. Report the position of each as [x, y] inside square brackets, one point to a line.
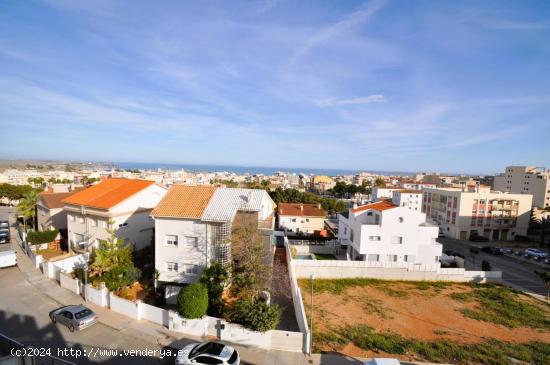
[427, 315]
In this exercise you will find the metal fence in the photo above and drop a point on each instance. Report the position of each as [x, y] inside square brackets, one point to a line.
[26, 355]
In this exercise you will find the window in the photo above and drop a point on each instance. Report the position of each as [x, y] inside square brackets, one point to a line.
[172, 266]
[93, 222]
[103, 224]
[374, 238]
[171, 240]
[191, 269]
[373, 258]
[293, 220]
[307, 219]
[191, 241]
[392, 258]
[351, 234]
[207, 360]
[345, 230]
[369, 214]
[400, 219]
[397, 240]
[409, 258]
[125, 224]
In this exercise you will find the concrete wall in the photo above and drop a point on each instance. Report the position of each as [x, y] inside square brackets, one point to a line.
[66, 281]
[301, 224]
[97, 296]
[154, 314]
[339, 269]
[123, 306]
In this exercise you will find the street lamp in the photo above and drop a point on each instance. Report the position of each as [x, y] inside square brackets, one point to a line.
[311, 316]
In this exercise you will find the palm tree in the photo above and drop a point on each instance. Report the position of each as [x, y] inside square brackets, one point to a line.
[27, 206]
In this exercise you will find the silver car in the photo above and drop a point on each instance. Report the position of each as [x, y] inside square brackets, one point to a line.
[75, 317]
[208, 353]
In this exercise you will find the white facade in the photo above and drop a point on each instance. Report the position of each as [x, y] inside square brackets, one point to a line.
[379, 193]
[304, 224]
[526, 180]
[131, 218]
[395, 234]
[478, 210]
[411, 199]
[183, 246]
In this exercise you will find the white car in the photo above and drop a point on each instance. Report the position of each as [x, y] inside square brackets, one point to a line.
[535, 253]
[380, 361]
[208, 353]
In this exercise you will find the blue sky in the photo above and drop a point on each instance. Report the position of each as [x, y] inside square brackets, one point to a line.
[456, 86]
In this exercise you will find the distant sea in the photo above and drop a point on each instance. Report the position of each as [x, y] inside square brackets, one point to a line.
[242, 170]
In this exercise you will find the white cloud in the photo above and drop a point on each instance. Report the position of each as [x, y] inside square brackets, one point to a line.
[375, 98]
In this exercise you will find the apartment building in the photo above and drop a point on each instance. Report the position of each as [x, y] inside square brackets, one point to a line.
[322, 183]
[410, 198]
[301, 218]
[526, 180]
[384, 232]
[127, 203]
[194, 225]
[474, 209]
[380, 193]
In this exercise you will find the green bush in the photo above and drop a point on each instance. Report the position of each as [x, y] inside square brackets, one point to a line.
[485, 265]
[79, 274]
[255, 314]
[37, 237]
[214, 279]
[121, 276]
[193, 301]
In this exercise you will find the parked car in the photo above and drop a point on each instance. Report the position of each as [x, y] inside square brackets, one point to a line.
[478, 238]
[519, 253]
[7, 258]
[4, 225]
[75, 317]
[379, 361]
[208, 353]
[508, 251]
[535, 253]
[520, 238]
[493, 250]
[4, 236]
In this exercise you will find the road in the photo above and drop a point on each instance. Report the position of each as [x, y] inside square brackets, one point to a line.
[515, 271]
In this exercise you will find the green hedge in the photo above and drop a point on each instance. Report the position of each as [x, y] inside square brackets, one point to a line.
[36, 237]
[193, 301]
[255, 314]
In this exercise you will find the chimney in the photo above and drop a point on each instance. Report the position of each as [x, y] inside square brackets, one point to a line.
[319, 205]
[301, 207]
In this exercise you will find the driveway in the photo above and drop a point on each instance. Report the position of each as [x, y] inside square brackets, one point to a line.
[516, 271]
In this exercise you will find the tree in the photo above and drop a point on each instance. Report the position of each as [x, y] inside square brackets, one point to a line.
[485, 265]
[36, 237]
[27, 206]
[193, 301]
[214, 278]
[545, 276]
[379, 182]
[252, 265]
[110, 254]
[255, 314]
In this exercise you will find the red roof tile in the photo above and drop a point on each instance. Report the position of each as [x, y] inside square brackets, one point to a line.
[380, 206]
[301, 210]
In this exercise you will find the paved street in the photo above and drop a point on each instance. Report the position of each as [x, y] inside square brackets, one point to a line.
[516, 271]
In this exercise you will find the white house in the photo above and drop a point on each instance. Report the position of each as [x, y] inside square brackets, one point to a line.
[193, 226]
[126, 202]
[409, 198]
[301, 218]
[384, 232]
[379, 193]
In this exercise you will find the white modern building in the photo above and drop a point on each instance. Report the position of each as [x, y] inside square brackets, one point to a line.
[384, 232]
[526, 180]
[379, 193]
[474, 209]
[127, 203]
[301, 218]
[193, 227]
[412, 199]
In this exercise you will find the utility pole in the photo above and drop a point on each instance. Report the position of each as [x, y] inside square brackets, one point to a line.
[311, 324]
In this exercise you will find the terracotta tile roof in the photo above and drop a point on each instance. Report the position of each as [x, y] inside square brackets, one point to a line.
[55, 200]
[409, 191]
[379, 206]
[301, 210]
[108, 193]
[184, 201]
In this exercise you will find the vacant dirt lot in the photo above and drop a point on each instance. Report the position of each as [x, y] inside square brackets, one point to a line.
[416, 311]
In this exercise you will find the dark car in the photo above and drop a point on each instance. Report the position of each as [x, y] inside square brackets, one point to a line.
[4, 236]
[520, 238]
[493, 250]
[75, 317]
[478, 238]
[454, 253]
[4, 225]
